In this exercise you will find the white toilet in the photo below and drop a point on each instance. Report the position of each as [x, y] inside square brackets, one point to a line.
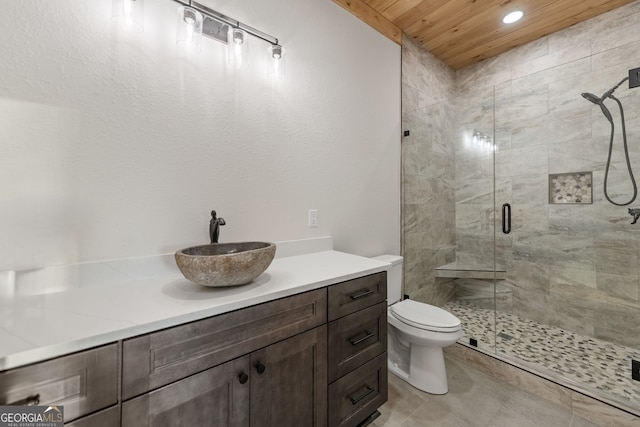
[417, 333]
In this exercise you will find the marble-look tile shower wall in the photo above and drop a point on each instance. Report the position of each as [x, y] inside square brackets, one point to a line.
[574, 266]
[428, 173]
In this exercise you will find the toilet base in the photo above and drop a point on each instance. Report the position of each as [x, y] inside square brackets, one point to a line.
[427, 370]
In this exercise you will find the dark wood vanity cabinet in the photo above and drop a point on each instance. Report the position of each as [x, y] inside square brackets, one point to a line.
[264, 365]
[357, 347]
[313, 359]
[283, 384]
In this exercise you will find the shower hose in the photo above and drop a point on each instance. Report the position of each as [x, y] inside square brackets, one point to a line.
[626, 155]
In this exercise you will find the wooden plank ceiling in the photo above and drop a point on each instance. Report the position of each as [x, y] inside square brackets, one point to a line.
[463, 32]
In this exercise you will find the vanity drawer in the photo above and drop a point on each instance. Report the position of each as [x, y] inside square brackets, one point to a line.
[83, 382]
[353, 295]
[157, 359]
[356, 339]
[359, 394]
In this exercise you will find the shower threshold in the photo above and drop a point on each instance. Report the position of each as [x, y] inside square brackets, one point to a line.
[588, 365]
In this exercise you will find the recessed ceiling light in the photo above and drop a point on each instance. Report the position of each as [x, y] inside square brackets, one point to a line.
[512, 17]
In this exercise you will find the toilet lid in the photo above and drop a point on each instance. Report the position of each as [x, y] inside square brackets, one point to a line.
[425, 316]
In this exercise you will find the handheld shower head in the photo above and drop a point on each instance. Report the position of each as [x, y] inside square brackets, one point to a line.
[598, 101]
[591, 97]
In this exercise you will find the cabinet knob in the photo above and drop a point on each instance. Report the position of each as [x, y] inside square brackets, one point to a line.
[260, 368]
[243, 378]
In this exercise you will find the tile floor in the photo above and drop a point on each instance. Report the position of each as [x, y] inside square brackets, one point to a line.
[592, 364]
[475, 399]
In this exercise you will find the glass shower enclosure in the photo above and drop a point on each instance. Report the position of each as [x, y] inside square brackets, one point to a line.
[506, 226]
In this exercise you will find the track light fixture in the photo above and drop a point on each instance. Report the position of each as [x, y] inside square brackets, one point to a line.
[225, 29]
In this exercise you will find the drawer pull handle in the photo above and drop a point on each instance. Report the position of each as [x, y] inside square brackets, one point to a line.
[361, 294]
[243, 378]
[32, 400]
[260, 368]
[366, 392]
[357, 341]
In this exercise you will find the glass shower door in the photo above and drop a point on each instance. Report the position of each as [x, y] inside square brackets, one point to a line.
[473, 272]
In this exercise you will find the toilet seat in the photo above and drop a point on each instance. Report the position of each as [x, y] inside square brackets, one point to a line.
[425, 316]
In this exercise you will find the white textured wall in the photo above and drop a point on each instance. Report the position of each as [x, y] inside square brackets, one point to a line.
[117, 144]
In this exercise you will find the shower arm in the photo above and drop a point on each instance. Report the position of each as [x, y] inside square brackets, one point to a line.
[609, 93]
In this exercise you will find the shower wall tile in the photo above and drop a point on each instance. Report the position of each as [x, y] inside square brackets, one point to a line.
[620, 191]
[561, 250]
[430, 79]
[529, 246]
[618, 326]
[625, 30]
[473, 164]
[475, 191]
[474, 218]
[474, 249]
[617, 58]
[439, 224]
[529, 160]
[578, 155]
[564, 281]
[435, 295]
[580, 49]
[423, 189]
[570, 124]
[503, 189]
[618, 286]
[413, 99]
[413, 245]
[571, 250]
[414, 277]
[498, 69]
[529, 218]
[526, 103]
[616, 259]
[530, 189]
[532, 132]
[566, 83]
[531, 276]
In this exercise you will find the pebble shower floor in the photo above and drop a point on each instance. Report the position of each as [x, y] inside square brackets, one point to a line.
[584, 361]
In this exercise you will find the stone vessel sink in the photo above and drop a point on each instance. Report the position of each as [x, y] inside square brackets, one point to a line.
[225, 264]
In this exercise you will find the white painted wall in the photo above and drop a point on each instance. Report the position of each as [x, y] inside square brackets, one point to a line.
[117, 144]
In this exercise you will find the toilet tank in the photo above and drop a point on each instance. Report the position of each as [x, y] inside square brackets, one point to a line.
[394, 277]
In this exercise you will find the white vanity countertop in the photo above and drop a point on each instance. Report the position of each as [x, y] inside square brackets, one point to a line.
[46, 325]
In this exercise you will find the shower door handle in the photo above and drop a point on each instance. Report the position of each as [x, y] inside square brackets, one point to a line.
[506, 218]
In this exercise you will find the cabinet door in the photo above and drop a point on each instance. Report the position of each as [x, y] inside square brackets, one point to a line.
[289, 382]
[218, 397]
